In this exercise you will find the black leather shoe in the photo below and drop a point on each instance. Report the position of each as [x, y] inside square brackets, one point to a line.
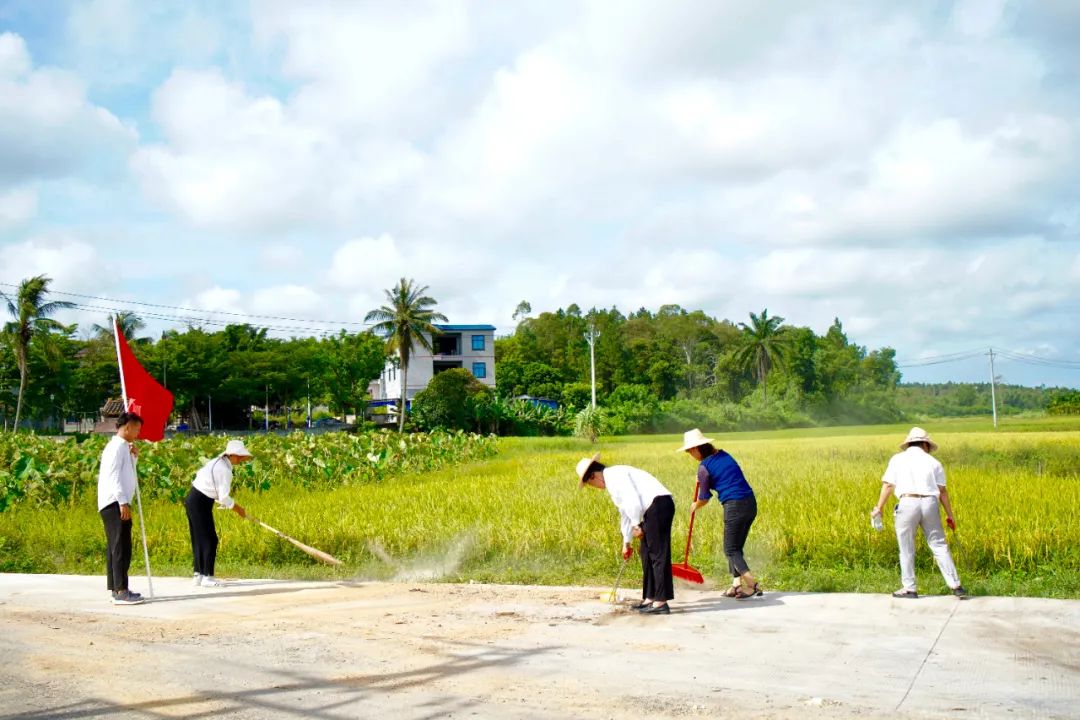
[657, 610]
[642, 605]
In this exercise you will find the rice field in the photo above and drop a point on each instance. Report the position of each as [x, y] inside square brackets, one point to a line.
[518, 517]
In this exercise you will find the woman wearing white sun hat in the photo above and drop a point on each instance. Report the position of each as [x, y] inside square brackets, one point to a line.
[718, 472]
[213, 482]
[918, 480]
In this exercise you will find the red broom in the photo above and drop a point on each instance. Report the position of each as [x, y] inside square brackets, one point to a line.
[683, 570]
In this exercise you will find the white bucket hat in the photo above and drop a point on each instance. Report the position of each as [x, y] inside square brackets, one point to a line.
[582, 466]
[917, 434]
[236, 447]
[693, 438]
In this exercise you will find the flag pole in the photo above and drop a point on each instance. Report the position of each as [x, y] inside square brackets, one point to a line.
[138, 496]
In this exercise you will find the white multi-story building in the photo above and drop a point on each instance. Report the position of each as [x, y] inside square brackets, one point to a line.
[456, 346]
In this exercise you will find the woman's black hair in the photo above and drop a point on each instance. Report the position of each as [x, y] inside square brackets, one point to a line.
[706, 450]
[128, 417]
[596, 466]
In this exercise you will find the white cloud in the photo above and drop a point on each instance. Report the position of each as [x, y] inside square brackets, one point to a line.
[281, 256]
[292, 301]
[69, 262]
[48, 127]
[236, 161]
[18, 206]
[14, 57]
[217, 299]
[978, 17]
[114, 43]
[373, 63]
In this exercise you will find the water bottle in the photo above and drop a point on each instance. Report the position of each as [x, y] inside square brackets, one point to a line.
[875, 522]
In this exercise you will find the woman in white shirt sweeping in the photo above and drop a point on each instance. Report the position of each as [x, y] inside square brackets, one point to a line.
[646, 510]
[213, 482]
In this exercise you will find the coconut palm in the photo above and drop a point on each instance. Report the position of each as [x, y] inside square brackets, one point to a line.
[130, 326]
[765, 345]
[31, 312]
[405, 321]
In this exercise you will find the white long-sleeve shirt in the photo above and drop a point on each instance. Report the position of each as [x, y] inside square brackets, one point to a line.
[915, 471]
[633, 491]
[116, 476]
[214, 480]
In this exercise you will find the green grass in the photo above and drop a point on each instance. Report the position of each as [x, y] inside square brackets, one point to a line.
[519, 517]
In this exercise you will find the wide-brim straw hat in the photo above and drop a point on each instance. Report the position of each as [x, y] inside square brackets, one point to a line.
[917, 434]
[693, 438]
[236, 447]
[582, 466]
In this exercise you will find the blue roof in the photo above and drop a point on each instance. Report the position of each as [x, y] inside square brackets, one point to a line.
[451, 328]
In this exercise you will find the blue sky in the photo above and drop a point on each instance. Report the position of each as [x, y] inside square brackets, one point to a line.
[909, 168]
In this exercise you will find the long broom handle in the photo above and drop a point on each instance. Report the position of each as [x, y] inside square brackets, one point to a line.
[142, 531]
[689, 534]
[618, 580]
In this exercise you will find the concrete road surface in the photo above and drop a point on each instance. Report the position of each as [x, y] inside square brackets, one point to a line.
[328, 650]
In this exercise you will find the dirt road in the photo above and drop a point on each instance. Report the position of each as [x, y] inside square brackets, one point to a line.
[264, 649]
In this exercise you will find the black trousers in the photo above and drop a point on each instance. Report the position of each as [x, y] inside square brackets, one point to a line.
[204, 539]
[738, 517]
[656, 550]
[118, 547]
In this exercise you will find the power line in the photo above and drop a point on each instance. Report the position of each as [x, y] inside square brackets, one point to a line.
[202, 321]
[941, 359]
[1036, 360]
[179, 308]
[1009, 355]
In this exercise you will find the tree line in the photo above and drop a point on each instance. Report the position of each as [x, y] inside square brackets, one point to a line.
[48, 371]
[674, 354]
[655, 370]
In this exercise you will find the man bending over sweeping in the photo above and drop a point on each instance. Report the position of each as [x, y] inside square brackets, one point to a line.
[646, 509]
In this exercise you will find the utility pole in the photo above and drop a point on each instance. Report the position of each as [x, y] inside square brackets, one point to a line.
[266, 409]
[309, 403]
[210, 412]
[993, 395]
[590, 337]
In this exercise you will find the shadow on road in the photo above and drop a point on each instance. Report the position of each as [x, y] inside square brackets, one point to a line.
[211, 593]
[320, 696]
[725, 604]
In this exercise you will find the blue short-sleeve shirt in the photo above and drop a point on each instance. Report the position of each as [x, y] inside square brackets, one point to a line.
[720, 473]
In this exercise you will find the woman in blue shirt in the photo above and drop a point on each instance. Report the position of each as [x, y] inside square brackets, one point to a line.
[718, 472]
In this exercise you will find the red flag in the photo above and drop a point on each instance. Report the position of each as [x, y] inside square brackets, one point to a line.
[143, 395]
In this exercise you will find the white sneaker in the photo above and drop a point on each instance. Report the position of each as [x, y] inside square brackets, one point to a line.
[211, 581]
[197, 579]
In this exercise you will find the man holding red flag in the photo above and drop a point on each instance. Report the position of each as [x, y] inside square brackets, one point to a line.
[116, 487]
[147, 406]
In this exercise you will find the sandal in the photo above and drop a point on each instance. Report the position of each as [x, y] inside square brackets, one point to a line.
[732, 591]
[741, 594]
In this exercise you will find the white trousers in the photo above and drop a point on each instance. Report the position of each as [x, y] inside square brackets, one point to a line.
[912, 513]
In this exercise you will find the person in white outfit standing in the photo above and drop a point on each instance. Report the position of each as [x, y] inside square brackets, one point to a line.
[213, 482]
[646, 510]
[917, 479]
[116, 489]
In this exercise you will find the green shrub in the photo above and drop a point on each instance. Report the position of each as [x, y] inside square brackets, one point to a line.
[451, 401]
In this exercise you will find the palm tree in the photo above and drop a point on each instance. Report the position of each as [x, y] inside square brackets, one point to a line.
[765, 344]
[405, 321]
[31, 313]
[130, 325]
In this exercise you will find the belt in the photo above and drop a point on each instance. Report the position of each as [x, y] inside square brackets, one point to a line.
[915, 496]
